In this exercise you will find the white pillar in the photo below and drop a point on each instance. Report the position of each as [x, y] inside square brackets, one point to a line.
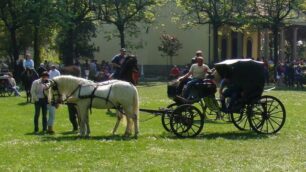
[294, 43]
[266, 44]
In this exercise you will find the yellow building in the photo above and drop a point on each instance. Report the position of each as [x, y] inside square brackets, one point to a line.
[231, 44]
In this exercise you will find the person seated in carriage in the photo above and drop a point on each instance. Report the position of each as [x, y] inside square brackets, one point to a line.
[229, 94]
[195, 75]
[242, 83]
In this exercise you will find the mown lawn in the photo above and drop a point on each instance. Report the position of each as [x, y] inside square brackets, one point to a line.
[220, 147]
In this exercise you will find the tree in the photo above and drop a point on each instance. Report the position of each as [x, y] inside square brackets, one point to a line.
[13, 14]
[215, 12]
[41, 19]
[77, 27]
[126, 15]
[272, 14]
[170, 45]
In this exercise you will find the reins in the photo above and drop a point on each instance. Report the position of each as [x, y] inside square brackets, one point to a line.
[91, 96]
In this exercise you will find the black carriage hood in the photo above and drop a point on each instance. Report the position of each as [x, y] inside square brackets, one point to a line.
[245, 73]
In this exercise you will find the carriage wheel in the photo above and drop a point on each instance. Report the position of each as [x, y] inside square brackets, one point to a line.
[165, 118]
[268, 115]
[240, 120]
[186, 121]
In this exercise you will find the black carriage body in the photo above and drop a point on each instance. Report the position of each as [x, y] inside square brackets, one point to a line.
[245, 74]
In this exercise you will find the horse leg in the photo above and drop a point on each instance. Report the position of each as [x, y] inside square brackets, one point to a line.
[128, 126]
[136, 125]
[82, 122]
[119, 117]
[87, 124]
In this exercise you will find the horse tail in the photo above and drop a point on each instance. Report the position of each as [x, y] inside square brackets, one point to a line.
[136, 105]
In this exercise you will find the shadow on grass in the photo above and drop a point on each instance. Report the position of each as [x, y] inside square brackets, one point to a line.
[247, 135]
[23, 103]
[47, 138]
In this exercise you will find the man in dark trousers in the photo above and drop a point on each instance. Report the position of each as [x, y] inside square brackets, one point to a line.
[40, 101]
[73, 114]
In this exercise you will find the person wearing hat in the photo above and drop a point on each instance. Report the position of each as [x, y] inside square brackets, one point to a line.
[40, 101]
[199, 53]
[117, 61]
[41, 69]
[197, 72]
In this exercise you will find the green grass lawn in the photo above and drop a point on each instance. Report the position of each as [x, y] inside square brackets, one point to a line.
[220, 146]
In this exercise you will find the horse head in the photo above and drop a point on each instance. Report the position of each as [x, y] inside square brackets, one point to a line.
[130, 64]
[128, 69]
[53, 93]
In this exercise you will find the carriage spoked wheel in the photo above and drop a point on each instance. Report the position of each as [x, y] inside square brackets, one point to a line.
[165, 118]
[186, 121]
[240, 120]
[268, 115]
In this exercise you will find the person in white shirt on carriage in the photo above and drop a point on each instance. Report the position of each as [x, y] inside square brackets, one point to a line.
[197, 72]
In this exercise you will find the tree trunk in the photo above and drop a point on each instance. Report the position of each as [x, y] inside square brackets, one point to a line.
[70, 53]
[15, 51]
[36, 47]
[215, 43]
[122, 36]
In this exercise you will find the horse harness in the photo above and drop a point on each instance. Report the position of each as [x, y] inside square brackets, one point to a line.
[91, 96]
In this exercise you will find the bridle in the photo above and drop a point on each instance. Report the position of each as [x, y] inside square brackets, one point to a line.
[56, 92]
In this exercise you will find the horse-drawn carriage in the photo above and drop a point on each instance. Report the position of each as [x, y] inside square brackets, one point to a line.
[248, 109]
[245, 106]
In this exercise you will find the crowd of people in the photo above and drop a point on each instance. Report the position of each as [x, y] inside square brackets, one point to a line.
[289, 73]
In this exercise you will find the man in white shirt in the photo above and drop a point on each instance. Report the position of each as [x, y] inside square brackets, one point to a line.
[40, 101]
[51, 107]
[197, 72]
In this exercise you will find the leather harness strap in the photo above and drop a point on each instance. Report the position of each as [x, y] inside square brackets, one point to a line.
[92, 96]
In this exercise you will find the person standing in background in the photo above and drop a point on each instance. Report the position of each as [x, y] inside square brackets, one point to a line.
[51, 106]
[40, 101]
[117, 61]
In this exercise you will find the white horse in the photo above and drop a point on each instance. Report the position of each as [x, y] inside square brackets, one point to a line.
[86, 94]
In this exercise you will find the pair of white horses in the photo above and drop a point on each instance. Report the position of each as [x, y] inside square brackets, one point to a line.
[109, 94]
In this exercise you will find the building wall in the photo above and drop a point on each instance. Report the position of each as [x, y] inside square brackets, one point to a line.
[192, 40]
[226, 32]
[253, 36]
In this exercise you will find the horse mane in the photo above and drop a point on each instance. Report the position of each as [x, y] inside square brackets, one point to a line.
[128, 67]
[69, 82]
